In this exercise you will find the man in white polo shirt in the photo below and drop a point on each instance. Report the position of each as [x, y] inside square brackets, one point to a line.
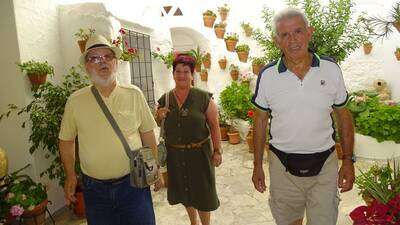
[297, 95]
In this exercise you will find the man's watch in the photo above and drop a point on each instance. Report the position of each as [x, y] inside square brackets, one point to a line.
[349, 157]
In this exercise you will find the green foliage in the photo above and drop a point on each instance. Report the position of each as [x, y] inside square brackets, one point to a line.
[224, 7]
[45, 113]
[382, 27]
[236, 100]
[335, 35]
[231, 36]
[167, 59]
[380, 182]
[223, 118]
[220, 25]
[196, 54]
[84, 34]
[206, 56]
[246, 26]
[209, 13]
[242, 48]
[233, 67]
[398, 49]
[373, 118]
[33, 67]
[258, 60]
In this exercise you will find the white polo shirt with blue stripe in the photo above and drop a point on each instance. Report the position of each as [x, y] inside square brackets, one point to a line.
[300, 110]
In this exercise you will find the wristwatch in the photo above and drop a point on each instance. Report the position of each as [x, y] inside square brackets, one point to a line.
[349, 157]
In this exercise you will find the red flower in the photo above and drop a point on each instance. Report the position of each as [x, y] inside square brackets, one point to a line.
[158, 49]
[132, 50]
[250, 113]
[122, 31]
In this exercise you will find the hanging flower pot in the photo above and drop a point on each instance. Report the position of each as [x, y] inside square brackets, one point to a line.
[231, 41]
[367, 47]
[206, 58]
[223, 12]
[219, 31]
[37, 79]
[243, 56]
[257, 63]
[204, 75]
[36, 216]
[234, 71]
[83, 35]
[37, 71]
[242, 51]
[397, 54]
[234, 137]
[222, 63]
[248, 30]
[396, 24]
[256, 68]
[82, 45]
[209, 18]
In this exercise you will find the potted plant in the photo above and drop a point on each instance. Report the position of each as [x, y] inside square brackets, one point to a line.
[219, 29]
[234, 71]
[377, 213]
[222, 63]
[209, 18]
[204, 75]
[248, 30]
[397, 53]
[231, 40]
[25, 198]
[127, 53]
[223, 12]
[223, 124]
[257, 63]
[83, 35]
[196, 54]
[167, 59]
[242, 51]
[206, 58]
[367, 46]
[36, 71]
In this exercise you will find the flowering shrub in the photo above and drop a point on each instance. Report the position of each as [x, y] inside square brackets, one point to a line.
[377, 213]
[128, 54]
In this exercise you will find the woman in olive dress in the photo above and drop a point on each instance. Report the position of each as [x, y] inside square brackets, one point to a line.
[193, 142]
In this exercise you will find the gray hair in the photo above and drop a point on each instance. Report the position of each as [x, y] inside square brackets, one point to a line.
[288, 13]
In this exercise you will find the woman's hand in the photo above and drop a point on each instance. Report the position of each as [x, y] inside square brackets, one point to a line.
[161, 113]
[159, 183]
[216, 158]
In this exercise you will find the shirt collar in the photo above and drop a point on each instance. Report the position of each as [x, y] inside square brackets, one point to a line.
[282, 67]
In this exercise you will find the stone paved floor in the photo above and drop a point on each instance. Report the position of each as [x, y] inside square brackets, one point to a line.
[240, 203]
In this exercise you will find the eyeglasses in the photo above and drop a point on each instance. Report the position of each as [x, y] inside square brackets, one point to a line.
[99, 58]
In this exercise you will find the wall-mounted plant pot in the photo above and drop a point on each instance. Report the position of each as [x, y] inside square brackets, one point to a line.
[230, 45]
[209, 21]
[219, 32]
[223, 14]
[397, 54]
[82, 45]
[234, 75]
[37, 79]
[204, 75]
[367, 48]
[222, 63]
[207, 63]
[248, 32]
[256, 68]
[243, 56]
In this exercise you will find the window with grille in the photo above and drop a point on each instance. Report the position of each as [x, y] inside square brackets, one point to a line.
[141, 70]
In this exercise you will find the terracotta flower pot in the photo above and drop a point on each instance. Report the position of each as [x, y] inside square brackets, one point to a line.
[256, 68]
[367, 48]
[204, 76]
[234, 137]
[234, 74]
[230, 45]
[243, 56]
[219, 32]
[222, 63]
[79, 205]
[37, 79]
[198, 67]
[224, 132]
[339, 151]
[249, 139]
[207, 64]
[223, 14]
[37, 216]
[397, 25]
[248, 32]
[397, 54]
[82, 45]
[209, 21]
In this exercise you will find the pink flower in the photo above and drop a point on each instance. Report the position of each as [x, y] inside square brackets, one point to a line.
[158, 49]
[122, 31]
[16, 210]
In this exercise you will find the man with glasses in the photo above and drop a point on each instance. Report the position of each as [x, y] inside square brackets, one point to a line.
[109, 197]
[296, 96]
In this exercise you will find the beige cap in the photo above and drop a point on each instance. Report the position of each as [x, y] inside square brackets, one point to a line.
[98, 41]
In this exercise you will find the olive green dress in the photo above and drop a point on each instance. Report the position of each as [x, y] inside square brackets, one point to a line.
[191, 176]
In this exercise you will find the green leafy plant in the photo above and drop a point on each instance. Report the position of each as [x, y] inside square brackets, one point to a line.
[233, 67]
[373, 118]
[84, 34]
[128, 53]
[197, 55]
[223, 8]
[242, 48]
[397, 49]
[235, 100]
[206, 56]
[167, 59]
[220, 25]
[335, 35]
[231, 36]
[246, 27]
[258, 60]
[45, 112]
[34, 67]
[209, 13]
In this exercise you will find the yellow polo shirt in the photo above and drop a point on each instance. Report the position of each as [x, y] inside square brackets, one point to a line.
[101, 152]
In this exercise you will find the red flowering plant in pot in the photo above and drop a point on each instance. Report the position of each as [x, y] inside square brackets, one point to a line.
[377, 213]
[128, 53]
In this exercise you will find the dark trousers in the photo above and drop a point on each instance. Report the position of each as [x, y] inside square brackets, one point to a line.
[117, 203]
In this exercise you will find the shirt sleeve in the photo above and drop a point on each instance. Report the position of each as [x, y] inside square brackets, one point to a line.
[68, 129]
[147, 122]
[341, 96]
[259, 98]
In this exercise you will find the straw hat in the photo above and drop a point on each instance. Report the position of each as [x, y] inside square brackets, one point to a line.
[98, 41]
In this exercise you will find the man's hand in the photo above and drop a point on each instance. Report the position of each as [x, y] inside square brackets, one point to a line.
[69, 189]
[346, 176]
[216, 159]
[259, 178]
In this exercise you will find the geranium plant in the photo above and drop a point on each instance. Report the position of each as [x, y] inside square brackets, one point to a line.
[84, 34]
[258, 60]
[378, 213]
[231, 36]
[242, 48]
[235, 100]
[250, 117]
[220, 25]
[209, 13]
[128, 53]
[34, 67]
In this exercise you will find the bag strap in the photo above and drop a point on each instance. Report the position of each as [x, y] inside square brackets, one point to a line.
[162, 129]
[112, 121]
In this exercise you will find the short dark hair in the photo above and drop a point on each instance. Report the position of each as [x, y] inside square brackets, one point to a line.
[184, 59]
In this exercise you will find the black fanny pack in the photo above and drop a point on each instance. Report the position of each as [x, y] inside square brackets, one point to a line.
[302, 165]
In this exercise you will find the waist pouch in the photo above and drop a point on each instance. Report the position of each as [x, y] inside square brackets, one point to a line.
[302, 165]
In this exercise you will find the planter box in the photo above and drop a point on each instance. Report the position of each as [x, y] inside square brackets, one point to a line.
[369, 148]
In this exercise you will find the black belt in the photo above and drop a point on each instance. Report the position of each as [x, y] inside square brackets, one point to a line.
[112, 181]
